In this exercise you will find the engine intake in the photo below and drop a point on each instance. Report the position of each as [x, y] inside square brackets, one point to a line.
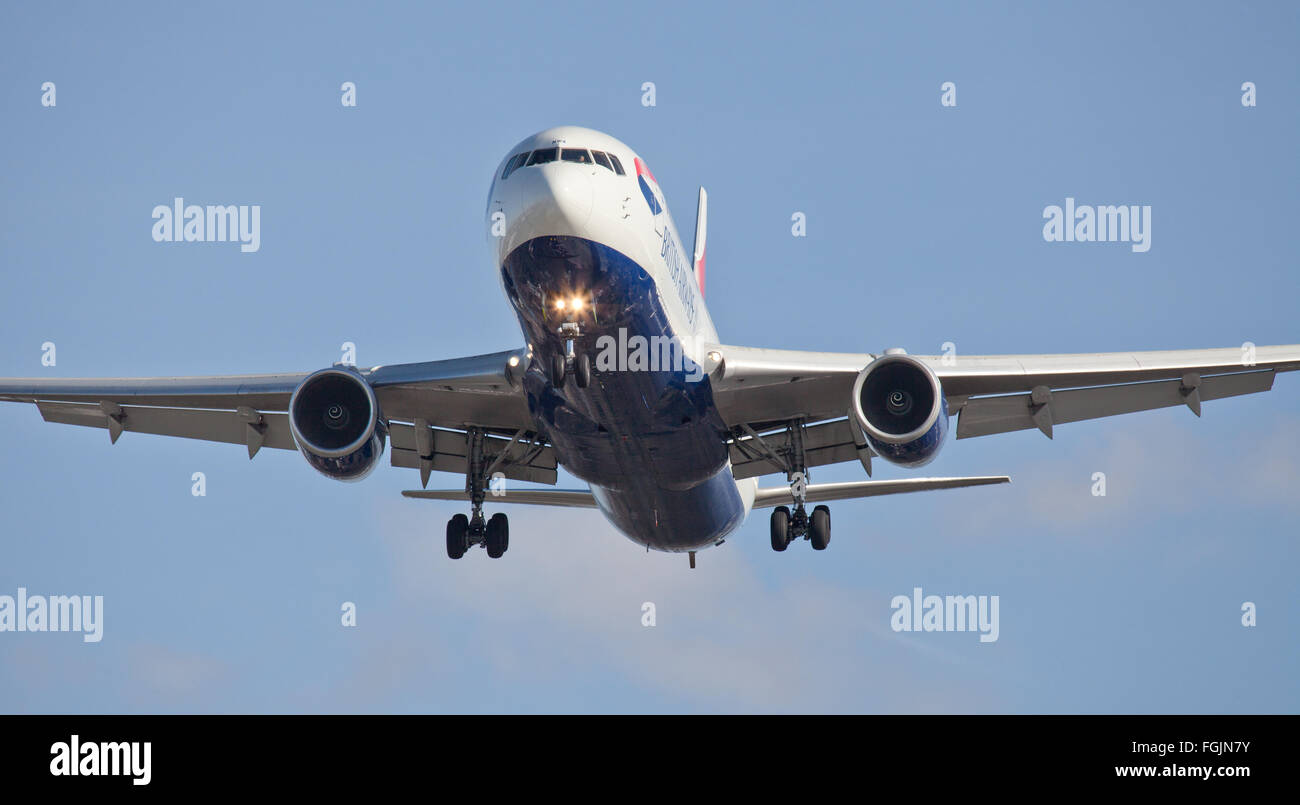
[335, 419]
[898, 404]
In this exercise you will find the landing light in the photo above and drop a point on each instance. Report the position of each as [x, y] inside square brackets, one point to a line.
[577, 303]
[559, 304]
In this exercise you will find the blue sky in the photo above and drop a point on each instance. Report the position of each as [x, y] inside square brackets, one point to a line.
[924, 226]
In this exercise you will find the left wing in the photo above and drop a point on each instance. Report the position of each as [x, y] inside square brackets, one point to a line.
[759, 391]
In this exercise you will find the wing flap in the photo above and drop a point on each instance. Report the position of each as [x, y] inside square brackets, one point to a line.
[246, 427]
[984, 416]
[430, 449]
[824, 443]
[442, 462]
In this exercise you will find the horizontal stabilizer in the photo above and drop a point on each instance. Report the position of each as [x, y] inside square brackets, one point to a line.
[573, 498]
[817, 493]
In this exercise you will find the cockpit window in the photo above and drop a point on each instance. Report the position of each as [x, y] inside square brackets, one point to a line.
[515, 162]
[579, 156]
[543, 155]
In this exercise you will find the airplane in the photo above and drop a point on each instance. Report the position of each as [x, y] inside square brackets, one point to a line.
[623, 381]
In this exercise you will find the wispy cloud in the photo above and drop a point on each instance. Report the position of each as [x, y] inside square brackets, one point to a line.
[568, 599]
[1166, 467]
[164, 677]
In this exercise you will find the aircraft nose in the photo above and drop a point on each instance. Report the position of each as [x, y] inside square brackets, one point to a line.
[550, 199]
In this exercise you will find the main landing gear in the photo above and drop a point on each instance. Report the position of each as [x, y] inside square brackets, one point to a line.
[464, 532]
[787, 526]
[571, 362]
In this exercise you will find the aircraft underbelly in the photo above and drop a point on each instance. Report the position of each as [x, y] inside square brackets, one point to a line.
[644, 434]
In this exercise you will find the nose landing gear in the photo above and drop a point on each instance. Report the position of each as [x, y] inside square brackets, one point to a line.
[571, 362]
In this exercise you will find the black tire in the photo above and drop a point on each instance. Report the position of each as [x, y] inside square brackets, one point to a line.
[582, 371]
[819, 530]
[457, 536]
[558, 371]
[780, 528]
[498, 535]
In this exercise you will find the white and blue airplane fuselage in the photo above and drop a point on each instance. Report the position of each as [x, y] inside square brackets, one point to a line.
[575, 215]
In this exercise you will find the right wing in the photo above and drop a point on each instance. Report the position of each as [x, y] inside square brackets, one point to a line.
[430, 407]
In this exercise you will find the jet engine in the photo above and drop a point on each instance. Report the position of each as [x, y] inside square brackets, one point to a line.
[335, 419]
[899, 405]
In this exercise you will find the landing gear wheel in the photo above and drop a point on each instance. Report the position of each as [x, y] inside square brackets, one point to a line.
[559, 368]
[498, 535]
[780, 528]
[582, 371]
[819, 532]
[457, 536]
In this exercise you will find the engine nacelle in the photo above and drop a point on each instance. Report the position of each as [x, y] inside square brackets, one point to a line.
[335, 419]
[898, 404]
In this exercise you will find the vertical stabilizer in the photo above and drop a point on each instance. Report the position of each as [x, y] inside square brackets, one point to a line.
[701, 231]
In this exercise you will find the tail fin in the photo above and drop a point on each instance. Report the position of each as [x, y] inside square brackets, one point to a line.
[701, 231]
